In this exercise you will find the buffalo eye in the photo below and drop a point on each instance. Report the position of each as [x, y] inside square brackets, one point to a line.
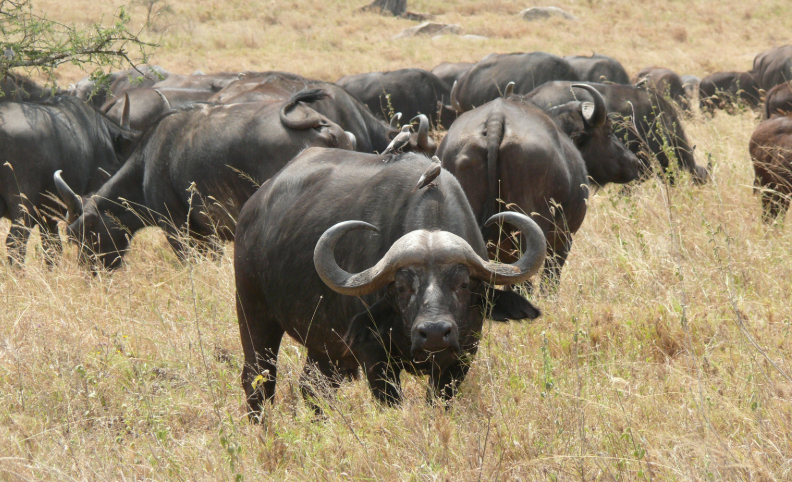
[403, 286]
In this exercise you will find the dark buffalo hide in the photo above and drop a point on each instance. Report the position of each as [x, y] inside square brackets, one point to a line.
[409, 91]
[408, 297]
[39, 139]
[193, 171]
[771, 153]
[598, 68]
[488, 79]
[773, 67]
[658, 124]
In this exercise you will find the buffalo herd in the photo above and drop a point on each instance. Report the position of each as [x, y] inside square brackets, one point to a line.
[377, 220]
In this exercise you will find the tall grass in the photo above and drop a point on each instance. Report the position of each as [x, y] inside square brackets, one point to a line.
[665, 354]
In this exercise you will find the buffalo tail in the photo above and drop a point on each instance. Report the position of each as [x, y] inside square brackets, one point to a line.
[495, 127]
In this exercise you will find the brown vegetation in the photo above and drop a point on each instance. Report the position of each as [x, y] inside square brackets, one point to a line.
[664, 356]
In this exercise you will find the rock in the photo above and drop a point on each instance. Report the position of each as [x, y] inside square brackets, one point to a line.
[540, 13]
[430, 28]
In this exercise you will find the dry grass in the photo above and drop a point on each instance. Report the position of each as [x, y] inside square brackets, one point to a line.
[664, 356]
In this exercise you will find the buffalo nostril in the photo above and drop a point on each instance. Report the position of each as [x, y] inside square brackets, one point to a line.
[422, 334]
[447, 333]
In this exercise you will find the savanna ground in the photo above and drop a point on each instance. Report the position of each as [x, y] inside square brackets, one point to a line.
[665, 354]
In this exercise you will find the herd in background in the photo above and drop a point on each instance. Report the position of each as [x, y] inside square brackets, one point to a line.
[376, 258]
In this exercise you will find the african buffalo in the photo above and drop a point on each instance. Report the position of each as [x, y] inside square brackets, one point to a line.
[664, 82]
[512, 150]
[771, 153]
[242, 91]
[338, 252]
[451, 72]
[139, 78]
[18, 88]
[38, 139]
[588, 125]
[598, 68]
[487, 80]
[117, 83]
[690, 85]
[195, 169]
[148, 104]
[371, 133]
[778, 100]
[409, 91]
[773, 67]
[659, 131]
[85, 90]
[208, 82]
[721, 90]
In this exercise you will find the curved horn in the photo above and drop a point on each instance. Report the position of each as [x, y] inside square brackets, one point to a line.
[412, 248]
[454, 102]
[164, 99]
[337, 279]
[509, 90]
[394, 122]
[125, 112]
[596, 117]
[528, 265]
[72, 201]
[295, 115]
[106, 175]
[423, 130]
[352, 139]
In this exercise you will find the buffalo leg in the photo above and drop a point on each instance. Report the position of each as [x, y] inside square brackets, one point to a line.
[384, 381]
[209, 247]
[774, 204]
[556, 258]
[50, 241]
[320, 379]
[261, 339]
[177, 240]
[181, 243]
[445, 385]
[16, 242]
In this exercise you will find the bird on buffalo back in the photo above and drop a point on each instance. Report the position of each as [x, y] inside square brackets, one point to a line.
[401, 140]
[429, 175]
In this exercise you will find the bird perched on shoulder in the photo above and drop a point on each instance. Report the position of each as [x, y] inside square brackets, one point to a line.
[398, 143]
[429, 175]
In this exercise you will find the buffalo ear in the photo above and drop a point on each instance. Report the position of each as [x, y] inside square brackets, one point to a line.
[508, 305]
[370, 327]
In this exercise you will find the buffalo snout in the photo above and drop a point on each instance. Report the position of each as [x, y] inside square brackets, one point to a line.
[435, 336]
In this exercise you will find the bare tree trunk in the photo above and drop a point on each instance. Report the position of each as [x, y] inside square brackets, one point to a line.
[396, 7]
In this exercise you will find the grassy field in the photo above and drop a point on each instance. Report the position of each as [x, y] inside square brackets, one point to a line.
[666, 354]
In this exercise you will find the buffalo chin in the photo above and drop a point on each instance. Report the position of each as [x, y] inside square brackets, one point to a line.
[423, 359]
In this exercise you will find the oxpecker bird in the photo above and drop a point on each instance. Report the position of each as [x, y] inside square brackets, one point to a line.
[397, 144]
[429, 175]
